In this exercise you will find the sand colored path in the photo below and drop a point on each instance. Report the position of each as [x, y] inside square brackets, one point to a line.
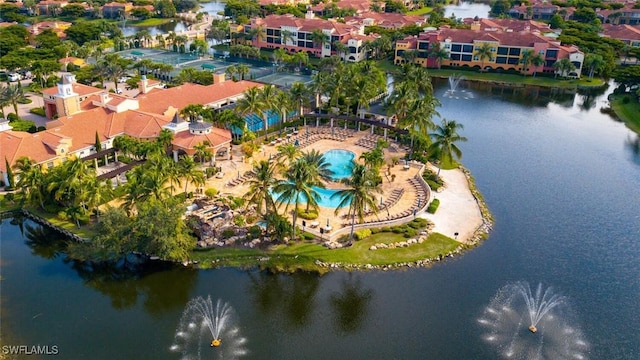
[458, 212]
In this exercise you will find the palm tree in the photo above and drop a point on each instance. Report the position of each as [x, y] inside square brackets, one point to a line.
[439, 53]
[288, 153]
[526, 59]
[563, 67]
[301, 57]
[420, 116]
[318, 166]
[30, 181]
[279, 55]
[253, 103]
[594, 62]
[537, 60]
[258, 33]
[231, 71]
[188, 170]
[444, 142]
[203, 151]
[12, 94]
[283, 105]
[242, 70]
[359, 195]
[341, 49]
[319, 85]
[286, 37]
[319, 38]
[260, 187]
[95, 193]
[296, 187]
[484, 52]
[299, 96]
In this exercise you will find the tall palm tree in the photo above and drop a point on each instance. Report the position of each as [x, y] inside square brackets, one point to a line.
[319, 167]
[286, 37]
[203, 151]
[188, 170]
[359, 194]
[242, 70]
[439, 53]
[12, 94]
[296, 187]
[483, 52]
[525, 59]
[95, 193]
[287, 153]
[31, 180]
[269, 97]
[319, 38]
[594, 62]
[319, 85]
[537, 60]
[563, 67]
[260, 187]
[444, 142]
[299, 96]
[420, 116]
[253, 103]
[341, 49]
[283, 105]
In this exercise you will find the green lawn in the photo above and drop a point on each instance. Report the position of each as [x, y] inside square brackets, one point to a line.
[86, 231]
[148, 22]
[302, 255]
[629, 112]
[517, 78]
[422, 11]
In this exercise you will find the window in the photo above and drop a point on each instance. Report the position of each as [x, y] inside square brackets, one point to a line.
[513, 61]
[49, 164]
[300, 35]
[270, 40]
[301, 43]
[503, 50]
[455, 56]
[541, 52]
[447, 46]
[309, 44]
[327, 46]
[352, 50]
[466, 57]
[456, 47]
[552, 54]
[514, 51]
[423, 45]
[501, 60]
[467, 48]
[269, 31]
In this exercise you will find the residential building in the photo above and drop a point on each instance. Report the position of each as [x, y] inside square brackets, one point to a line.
[536, 11]
[115, 10]
[359, 6]
[623, 16]
[507, 48]
[628, 34]
[385, 20]
[50, 7]
[56, 26]
[506, 25]
[295, 34]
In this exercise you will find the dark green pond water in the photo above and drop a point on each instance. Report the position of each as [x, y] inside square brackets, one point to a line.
[562, 179]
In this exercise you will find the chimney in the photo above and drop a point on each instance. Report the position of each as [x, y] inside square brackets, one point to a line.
[143, 84]
[219, 77]
[104, 99]
[309, 14]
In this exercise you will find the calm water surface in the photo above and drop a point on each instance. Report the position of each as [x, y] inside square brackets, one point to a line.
[562, 179]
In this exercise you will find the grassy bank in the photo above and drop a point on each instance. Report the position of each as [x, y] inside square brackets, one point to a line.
[475, 75]
[304, 255]
[86, 231]
[422, 11]
[627, 110]
[148, 22]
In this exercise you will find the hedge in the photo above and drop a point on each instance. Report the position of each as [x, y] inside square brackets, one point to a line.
[433, 206]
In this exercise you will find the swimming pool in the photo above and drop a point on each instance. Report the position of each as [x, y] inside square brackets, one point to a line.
[340, 162]
[324, 201]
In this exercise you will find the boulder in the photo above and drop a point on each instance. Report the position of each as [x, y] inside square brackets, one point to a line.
[373, 247]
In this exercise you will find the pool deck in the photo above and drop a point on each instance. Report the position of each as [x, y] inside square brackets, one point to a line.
[458, 212]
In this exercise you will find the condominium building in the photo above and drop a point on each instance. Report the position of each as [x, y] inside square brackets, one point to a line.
[296, 34]
[506, 50]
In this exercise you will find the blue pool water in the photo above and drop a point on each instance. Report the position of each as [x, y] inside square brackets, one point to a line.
[340, 162]
[325, 197]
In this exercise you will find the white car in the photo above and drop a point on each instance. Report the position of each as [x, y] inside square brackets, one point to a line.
[123, 79]
[14, 77]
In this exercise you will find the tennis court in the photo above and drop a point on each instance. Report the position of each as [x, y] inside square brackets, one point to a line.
[284, 79]
[158, 56]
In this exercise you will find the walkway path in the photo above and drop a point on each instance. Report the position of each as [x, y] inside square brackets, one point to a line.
[458, 212]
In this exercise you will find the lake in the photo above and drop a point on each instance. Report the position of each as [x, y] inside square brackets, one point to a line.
[561, 178]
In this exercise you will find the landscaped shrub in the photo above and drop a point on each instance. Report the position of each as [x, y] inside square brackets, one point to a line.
[210, 171]
[310, 215]
[236, 202]
[238, 220]
[420, 222]
[362, 234]
[227, 233]
[307, 235]
[38, 111]
[433, 206]
[12, 117]
[211, 193]
[255, 231]
[251, 219]
[410, 232]
[62, 216]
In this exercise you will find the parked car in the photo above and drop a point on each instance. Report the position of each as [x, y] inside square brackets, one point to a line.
[14, 77]
[123, 79]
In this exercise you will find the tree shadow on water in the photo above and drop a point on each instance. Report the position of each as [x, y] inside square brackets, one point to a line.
[350, 305]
